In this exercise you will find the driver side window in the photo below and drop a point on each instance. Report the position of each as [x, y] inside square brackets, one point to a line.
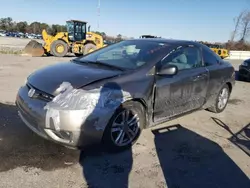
[184, 58]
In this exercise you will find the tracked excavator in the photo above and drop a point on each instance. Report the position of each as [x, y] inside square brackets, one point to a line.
[76, 40]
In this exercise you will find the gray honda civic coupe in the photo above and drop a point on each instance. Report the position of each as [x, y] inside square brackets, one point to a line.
[110, 95]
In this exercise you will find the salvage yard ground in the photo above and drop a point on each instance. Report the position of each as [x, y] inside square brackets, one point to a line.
[199, 150]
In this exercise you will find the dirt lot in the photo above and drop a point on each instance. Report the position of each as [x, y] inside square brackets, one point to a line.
[14, 44]
[199, 150]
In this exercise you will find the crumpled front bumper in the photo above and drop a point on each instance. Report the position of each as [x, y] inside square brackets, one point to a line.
[72, 131]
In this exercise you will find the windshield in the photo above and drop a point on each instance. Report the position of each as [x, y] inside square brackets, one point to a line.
[70, 29]
[129, 54]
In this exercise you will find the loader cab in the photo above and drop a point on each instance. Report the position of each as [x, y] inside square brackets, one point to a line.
[76, 30]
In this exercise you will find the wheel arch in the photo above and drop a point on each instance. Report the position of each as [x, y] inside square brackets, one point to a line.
[64, 41]
[144, 105]
[89, 42]
[139, 100]
[129, 100]
[230, 86]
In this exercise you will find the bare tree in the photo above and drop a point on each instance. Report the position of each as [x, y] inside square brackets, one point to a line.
[245, 26]
[237, 22]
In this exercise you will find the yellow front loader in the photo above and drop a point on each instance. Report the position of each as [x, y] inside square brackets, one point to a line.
[220, 50]
[76, 40]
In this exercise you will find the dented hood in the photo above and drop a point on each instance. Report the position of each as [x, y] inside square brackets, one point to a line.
[48, 79]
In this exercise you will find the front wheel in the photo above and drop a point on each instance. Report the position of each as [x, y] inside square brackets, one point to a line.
[221, 100]
[59, 48]
[124, 127]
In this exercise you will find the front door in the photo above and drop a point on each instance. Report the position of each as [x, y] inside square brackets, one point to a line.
[184, 91]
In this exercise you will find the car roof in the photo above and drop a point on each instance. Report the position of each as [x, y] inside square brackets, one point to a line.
[171, 41]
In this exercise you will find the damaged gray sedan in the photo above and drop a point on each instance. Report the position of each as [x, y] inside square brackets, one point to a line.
[110, 95]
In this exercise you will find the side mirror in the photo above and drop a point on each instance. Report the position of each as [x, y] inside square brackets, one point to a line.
[169, 70]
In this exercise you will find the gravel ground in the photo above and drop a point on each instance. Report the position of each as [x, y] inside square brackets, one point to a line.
[198, 150]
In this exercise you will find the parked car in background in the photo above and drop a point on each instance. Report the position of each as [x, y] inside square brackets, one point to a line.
[107, 98]
[31, 36]
[2, 33]
[39, 37]
[244, 70]
[20, 35]
[11, 34]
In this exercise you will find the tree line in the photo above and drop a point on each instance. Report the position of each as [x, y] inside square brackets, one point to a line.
[8, 24]
[241, 33]
[239, 39]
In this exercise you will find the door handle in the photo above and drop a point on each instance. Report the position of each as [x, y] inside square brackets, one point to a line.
[198, 77]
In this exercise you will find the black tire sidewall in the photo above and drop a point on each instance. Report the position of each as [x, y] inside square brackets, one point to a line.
[218, 110]
[88, 47]
[135, 107]
[78, 55]
[53, 48]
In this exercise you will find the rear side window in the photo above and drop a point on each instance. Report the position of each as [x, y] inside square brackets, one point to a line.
[209, 57]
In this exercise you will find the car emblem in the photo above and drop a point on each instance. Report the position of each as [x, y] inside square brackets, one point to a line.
[31, 92]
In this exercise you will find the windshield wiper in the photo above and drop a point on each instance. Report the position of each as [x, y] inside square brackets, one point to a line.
[99, 63]
[107, 65]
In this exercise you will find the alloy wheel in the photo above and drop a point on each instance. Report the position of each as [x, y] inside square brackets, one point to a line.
[125, 128]
[223, 98]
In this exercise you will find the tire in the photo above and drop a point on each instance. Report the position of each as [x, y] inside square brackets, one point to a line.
[78, 55]
[109, 137]
[63, 48]
[48, 54]
[216, 108]
[88, 47]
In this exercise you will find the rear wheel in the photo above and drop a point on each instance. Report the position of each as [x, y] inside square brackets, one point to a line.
[59, 48]
[124, 127]
[89, 48]
[221, 100]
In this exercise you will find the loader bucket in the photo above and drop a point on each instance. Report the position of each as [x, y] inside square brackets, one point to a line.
[34, 49]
